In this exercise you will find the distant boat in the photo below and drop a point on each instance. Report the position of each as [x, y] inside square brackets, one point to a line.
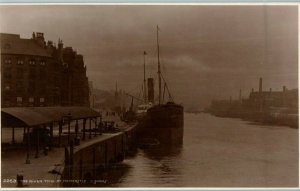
[163, 121]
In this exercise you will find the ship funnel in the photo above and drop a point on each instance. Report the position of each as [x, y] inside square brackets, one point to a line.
[150, 90]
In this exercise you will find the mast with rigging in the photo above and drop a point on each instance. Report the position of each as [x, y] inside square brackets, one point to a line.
[145, 94]
[159, 75]
[163, 121]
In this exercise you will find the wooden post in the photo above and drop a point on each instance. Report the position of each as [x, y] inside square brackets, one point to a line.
[67, 164]
[24, 132]
[69, 130]
[116, 151]
[90, 134]
[76, 128]
[51, 136]
[37, 144]
[59, 133]
[123, 144]
[96, 126]
[28, 146]
[101, 124]
[94, 163]
[43, 137]
[80, 168]
[84, 122]
[106, 152]
[71, 158]
[13, 135]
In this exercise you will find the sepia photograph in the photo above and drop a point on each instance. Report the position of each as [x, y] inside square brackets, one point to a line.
[149, 95]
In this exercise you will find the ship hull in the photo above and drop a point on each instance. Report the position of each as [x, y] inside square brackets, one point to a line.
[163, 123]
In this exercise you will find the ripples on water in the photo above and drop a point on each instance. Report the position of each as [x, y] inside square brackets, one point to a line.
[217, 152]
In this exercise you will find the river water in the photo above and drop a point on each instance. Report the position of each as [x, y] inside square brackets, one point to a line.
[217, 152]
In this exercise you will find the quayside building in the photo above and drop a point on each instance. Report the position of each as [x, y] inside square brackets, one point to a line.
[273, 107]
[39, 73]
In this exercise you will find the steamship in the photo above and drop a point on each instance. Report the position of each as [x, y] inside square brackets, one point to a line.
[163, 121]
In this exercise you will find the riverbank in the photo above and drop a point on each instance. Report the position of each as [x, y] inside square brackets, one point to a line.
[269, 117]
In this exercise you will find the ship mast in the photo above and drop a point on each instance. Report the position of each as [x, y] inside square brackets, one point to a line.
[145, 96]
[159, 75]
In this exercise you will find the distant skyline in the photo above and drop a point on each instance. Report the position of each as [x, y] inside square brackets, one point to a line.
[207, 52]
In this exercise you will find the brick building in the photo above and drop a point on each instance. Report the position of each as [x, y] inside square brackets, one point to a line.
[261, 100]
[76, 91]
[258, 101]
[37, 73]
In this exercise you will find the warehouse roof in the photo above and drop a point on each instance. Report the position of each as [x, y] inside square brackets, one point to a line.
[33, 116]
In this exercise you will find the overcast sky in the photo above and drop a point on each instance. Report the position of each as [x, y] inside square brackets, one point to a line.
[207, 52]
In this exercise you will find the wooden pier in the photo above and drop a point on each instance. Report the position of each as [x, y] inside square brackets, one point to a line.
[79, 146]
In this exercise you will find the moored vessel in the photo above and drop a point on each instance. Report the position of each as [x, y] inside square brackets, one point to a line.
[163, 122]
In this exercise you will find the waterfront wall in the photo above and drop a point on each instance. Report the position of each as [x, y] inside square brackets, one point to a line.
[82, 164]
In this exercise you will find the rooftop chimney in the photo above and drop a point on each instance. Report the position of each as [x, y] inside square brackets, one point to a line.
[39, 35]
[39, 38]
[283, 88]
[260, 85]
[60, 44]
[50, 43]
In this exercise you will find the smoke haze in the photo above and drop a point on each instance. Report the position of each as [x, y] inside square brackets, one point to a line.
[207, 52]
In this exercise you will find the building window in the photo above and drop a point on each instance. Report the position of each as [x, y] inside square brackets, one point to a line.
[42, 100]
[42, 63]
[19, 99]
[20, 62]
[7, 61]
[31, 62]
[31, 100]
[7, 87]
[20, 73]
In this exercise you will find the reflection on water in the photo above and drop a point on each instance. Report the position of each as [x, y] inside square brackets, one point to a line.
[160, 152]
[216, 152]
[163, 164]
[110, 176]
[158, 164]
